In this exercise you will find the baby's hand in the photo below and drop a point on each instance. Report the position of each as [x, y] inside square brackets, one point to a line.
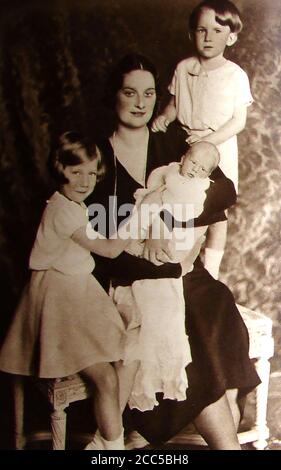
[160, 124]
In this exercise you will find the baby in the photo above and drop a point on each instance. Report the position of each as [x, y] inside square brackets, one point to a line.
[183, 196]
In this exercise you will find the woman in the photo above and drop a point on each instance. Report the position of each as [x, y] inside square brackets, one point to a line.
[221, 372]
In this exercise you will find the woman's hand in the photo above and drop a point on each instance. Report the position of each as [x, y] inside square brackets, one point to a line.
[158, 251]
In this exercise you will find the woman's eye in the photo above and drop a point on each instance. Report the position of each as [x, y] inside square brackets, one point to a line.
[149, 94]
[129, 93]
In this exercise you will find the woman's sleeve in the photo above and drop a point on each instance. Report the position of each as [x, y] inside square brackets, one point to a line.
[220, 196]
[131, 268]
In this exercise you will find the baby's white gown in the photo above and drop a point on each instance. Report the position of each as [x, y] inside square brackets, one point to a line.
[158, 304]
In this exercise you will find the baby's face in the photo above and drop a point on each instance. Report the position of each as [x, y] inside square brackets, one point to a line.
[196, 164]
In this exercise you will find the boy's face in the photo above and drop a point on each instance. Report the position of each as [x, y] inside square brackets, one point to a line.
[210, 37]
[197, 164]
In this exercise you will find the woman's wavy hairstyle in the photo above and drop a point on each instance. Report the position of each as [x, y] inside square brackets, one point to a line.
[128, 64]
[227, 14]
[73, 149]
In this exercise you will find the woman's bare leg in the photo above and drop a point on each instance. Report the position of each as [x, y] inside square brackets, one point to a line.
[106, 399]
[232, 397]
[216, 425]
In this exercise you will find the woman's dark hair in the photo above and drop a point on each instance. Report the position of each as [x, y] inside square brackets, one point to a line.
[227, 14]
[128, 64]
[73, 149]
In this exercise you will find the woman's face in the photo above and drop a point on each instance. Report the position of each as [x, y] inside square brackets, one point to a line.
[136, 99]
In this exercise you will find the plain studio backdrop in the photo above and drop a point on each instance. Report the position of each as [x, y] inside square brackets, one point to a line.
[54, 57]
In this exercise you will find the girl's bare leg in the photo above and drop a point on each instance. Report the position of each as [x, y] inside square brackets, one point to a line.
[106, 399]
[216, 425]
[126, 376]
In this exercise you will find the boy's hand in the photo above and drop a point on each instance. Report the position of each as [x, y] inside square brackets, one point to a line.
[160, 124]
[191, 139]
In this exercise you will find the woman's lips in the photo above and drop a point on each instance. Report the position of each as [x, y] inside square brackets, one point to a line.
[138, 113]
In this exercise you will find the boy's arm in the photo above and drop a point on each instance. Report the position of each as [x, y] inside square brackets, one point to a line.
[169, 115]
[232, 127]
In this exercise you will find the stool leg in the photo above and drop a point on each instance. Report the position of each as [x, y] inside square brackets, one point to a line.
[19, 411]
[58, 424]
[263, 369]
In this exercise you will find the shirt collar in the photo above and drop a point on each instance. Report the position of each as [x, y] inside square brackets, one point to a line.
[194, 68]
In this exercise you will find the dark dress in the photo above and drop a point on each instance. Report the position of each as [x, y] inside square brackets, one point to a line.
[218, 337]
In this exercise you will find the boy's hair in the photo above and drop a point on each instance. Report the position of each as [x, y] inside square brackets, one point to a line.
[227, 14]
[127, 64]
[73, 149]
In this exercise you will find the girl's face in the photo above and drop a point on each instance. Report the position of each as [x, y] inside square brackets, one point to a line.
[136, 99]
[211, 38]
[81, 180]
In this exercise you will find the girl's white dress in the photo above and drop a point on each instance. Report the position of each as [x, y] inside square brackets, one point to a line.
[163, 346]
[65, 321]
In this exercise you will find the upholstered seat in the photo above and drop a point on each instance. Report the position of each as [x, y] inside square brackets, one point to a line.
[61, 392]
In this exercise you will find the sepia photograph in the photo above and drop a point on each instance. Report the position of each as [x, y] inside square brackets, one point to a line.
[140, 228]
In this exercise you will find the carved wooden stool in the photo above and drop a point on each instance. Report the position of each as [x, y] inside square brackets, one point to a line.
[261, 349]
[60, 393]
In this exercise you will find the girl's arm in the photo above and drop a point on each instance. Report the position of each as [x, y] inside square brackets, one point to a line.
[112, 247]
[232, 127]
[169, 115]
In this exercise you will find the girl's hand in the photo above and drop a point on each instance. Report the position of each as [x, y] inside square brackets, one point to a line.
[154, 197]
[160, 124]
[139, 194]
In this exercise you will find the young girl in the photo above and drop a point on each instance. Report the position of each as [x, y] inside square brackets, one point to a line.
[210, 95]
[65, 322]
